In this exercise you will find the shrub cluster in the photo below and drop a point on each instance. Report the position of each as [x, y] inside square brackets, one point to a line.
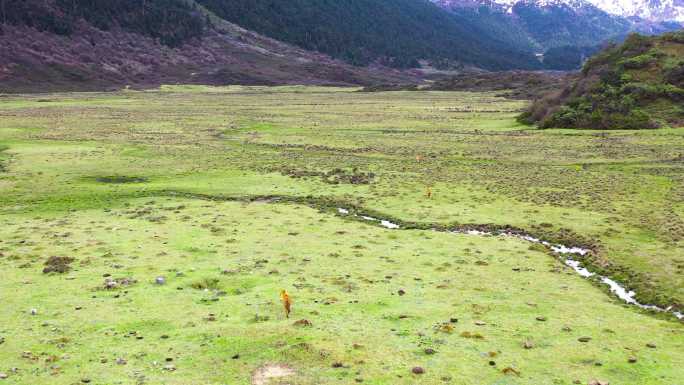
[616, 89]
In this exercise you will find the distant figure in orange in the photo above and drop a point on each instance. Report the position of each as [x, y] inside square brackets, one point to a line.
[287, 302]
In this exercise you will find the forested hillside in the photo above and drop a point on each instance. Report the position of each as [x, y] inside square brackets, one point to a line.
[636, 85]
[396, 33]
[171, 21]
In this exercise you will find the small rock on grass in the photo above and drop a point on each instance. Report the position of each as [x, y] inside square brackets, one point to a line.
[541, 318]
[417, 370]
[648, 345]
[584, 339]
[3, 376]
[632, 360]
[598, 382]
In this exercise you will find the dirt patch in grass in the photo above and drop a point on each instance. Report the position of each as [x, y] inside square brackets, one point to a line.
[267, 373]
[121, 179]
[58, 265]
[335, 176]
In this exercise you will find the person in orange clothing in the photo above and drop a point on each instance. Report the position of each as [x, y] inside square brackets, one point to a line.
[287, 302]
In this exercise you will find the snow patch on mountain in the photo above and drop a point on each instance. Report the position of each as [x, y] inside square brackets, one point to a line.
[652, 10]
[655, 10]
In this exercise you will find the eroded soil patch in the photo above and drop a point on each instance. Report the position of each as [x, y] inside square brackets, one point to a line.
[268, 373]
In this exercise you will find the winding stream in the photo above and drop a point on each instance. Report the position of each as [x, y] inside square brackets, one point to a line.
[566, 252]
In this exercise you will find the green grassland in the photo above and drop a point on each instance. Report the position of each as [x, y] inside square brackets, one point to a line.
[230, 195]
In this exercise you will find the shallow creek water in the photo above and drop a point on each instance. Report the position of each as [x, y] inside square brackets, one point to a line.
[565, 251]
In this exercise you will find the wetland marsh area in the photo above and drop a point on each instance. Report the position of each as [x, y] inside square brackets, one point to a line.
[145, 237]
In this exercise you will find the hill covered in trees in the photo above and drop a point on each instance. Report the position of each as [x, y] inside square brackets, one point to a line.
[636, 85]
[396, 33]
[173, 22]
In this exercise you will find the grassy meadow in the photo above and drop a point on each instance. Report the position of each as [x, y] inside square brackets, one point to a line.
[178, 214]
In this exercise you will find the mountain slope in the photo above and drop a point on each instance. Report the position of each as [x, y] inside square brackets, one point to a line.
[75, 45]
[639, 84]
[566, 31]
[397, 33]
[653, 10]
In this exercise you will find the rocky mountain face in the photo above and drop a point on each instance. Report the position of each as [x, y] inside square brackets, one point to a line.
[652, 10]
[565, 31]
[649, 10]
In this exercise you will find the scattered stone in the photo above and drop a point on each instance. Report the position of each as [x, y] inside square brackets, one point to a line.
[2, 340]
[648, 345]
[541, 318]
[3, 376]
[528, 344]
[567, 329]
[34, 311]
[401, 292]
[453, 320]
[85, 380]
[632, 360]
[337, 365]
[598, 382]
[160, 280]
[480, 323]
[170, 368]
[121, 361]
[417, 370]
[430, 351]
[235, 357]
[584, 339]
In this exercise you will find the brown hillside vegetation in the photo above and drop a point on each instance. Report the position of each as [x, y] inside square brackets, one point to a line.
[87, 57]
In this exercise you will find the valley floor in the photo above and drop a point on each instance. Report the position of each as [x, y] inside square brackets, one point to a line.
[187, 209]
